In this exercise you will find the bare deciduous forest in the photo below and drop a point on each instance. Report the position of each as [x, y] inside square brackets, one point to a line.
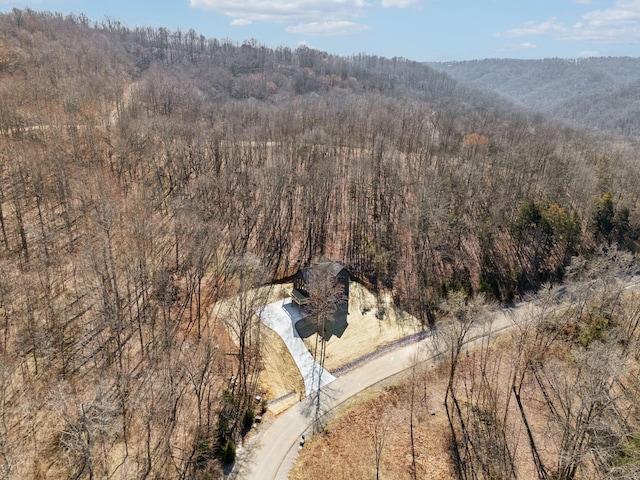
[146, 174]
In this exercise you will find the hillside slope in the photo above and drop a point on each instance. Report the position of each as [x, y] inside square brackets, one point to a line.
[146, 174]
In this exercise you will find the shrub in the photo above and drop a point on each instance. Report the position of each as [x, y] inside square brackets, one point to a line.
[229, 453]
[247, 420]
[594, 330]
[628, 452]
[203, 448]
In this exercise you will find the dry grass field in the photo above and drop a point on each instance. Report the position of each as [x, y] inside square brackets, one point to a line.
[366, 333]
[347, 448]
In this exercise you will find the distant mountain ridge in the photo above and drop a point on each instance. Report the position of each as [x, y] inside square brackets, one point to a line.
[595, 93]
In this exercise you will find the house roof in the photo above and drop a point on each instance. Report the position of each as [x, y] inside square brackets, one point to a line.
[331, 267]
[334, 268]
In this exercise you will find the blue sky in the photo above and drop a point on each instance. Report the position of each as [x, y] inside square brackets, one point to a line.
[423, 30]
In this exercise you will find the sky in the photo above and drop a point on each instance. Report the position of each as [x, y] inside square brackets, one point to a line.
[421, 30]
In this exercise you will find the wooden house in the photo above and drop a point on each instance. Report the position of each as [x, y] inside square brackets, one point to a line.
[325, 276]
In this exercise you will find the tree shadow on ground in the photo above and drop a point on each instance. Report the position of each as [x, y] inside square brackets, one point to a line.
[305, 325]
[317, 406]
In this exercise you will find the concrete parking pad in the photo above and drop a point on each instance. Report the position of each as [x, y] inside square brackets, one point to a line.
[281, 317]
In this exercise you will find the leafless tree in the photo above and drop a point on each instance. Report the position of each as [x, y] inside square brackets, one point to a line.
[379, 438]
[241, 316]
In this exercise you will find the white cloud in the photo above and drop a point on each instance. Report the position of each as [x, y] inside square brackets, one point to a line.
[241, 22]
[283, 11]
[329, 29]
[551, 26]
[589, 53]
[525, 46]
[619, 24]
[398, 3]
[307, 17]
[518, 47]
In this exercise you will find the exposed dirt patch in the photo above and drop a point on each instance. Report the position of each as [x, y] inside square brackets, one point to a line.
[280, 374]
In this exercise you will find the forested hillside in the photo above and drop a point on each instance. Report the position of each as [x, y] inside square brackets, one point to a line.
[617, 111]
[145, 174]
[596, 93]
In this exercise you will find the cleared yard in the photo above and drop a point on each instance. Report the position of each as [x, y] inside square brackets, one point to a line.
[366, 333]
[280, 380]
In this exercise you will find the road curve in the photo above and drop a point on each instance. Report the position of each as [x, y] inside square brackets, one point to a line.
[270, 453]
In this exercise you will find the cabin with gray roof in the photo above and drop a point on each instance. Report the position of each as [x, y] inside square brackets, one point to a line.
[330, 274]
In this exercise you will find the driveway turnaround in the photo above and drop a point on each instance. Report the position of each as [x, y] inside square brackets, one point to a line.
[281, 317]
